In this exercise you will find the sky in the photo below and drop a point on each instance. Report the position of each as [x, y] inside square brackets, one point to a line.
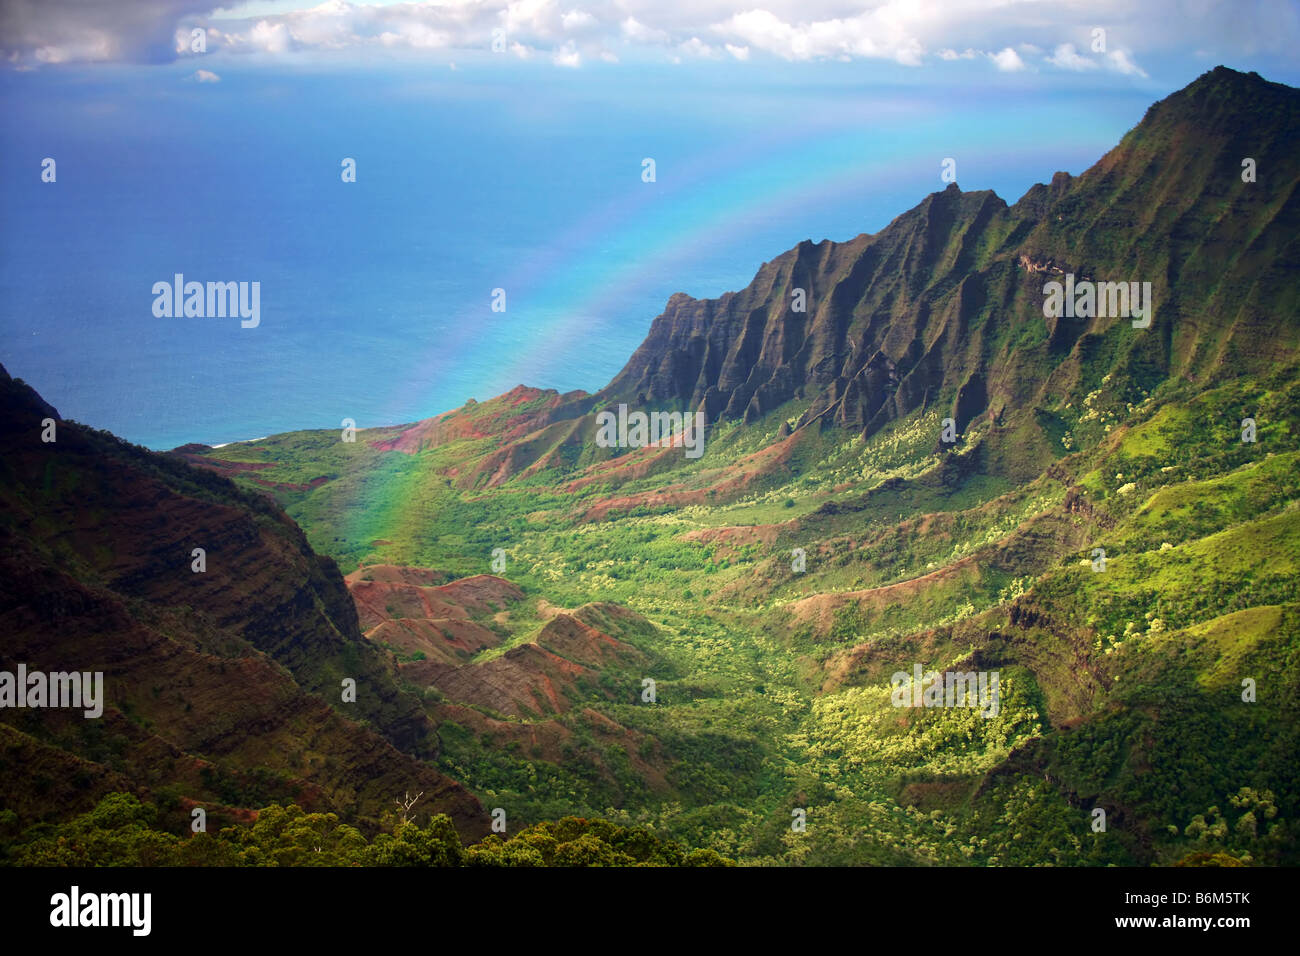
[501, 145]
[1009, 35]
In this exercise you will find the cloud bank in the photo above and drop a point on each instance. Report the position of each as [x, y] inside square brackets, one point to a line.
[1008, 35]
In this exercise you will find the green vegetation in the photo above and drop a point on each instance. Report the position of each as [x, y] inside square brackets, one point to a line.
[122, 831]
[768, 702]
[1108, 534]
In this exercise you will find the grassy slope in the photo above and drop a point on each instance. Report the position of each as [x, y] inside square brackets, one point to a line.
[1121, 689]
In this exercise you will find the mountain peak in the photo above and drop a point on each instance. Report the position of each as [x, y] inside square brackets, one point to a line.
[1225, 75]
[928, 309]
[1223, 101]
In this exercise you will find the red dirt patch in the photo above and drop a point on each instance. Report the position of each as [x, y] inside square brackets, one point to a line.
[820, 608]
[730, 539]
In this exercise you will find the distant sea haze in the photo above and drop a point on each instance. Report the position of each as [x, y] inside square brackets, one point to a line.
[373, 297]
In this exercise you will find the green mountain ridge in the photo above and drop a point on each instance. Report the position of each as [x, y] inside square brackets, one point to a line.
[1107, 532]
[825, 436]
[223, 684]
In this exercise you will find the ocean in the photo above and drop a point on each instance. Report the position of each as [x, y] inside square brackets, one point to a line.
[376, 295]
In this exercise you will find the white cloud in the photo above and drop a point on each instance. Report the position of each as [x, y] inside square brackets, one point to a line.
[567, 55]
[1122, 63]
[882, 33]
[540, 18]
[206, 76]
[1068, 59]
[1008, 61]
[766, 31]
[1010, 34]
[576, 20]
[637, 32]
[697, 48]
[271, 37]
[416, 36]
[92, 48]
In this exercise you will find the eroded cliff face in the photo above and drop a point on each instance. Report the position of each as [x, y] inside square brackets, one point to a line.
[225, 682]
[944, 307]
[883, 317]
[945, 304]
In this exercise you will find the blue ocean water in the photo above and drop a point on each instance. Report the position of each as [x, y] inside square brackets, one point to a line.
[376, 295]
